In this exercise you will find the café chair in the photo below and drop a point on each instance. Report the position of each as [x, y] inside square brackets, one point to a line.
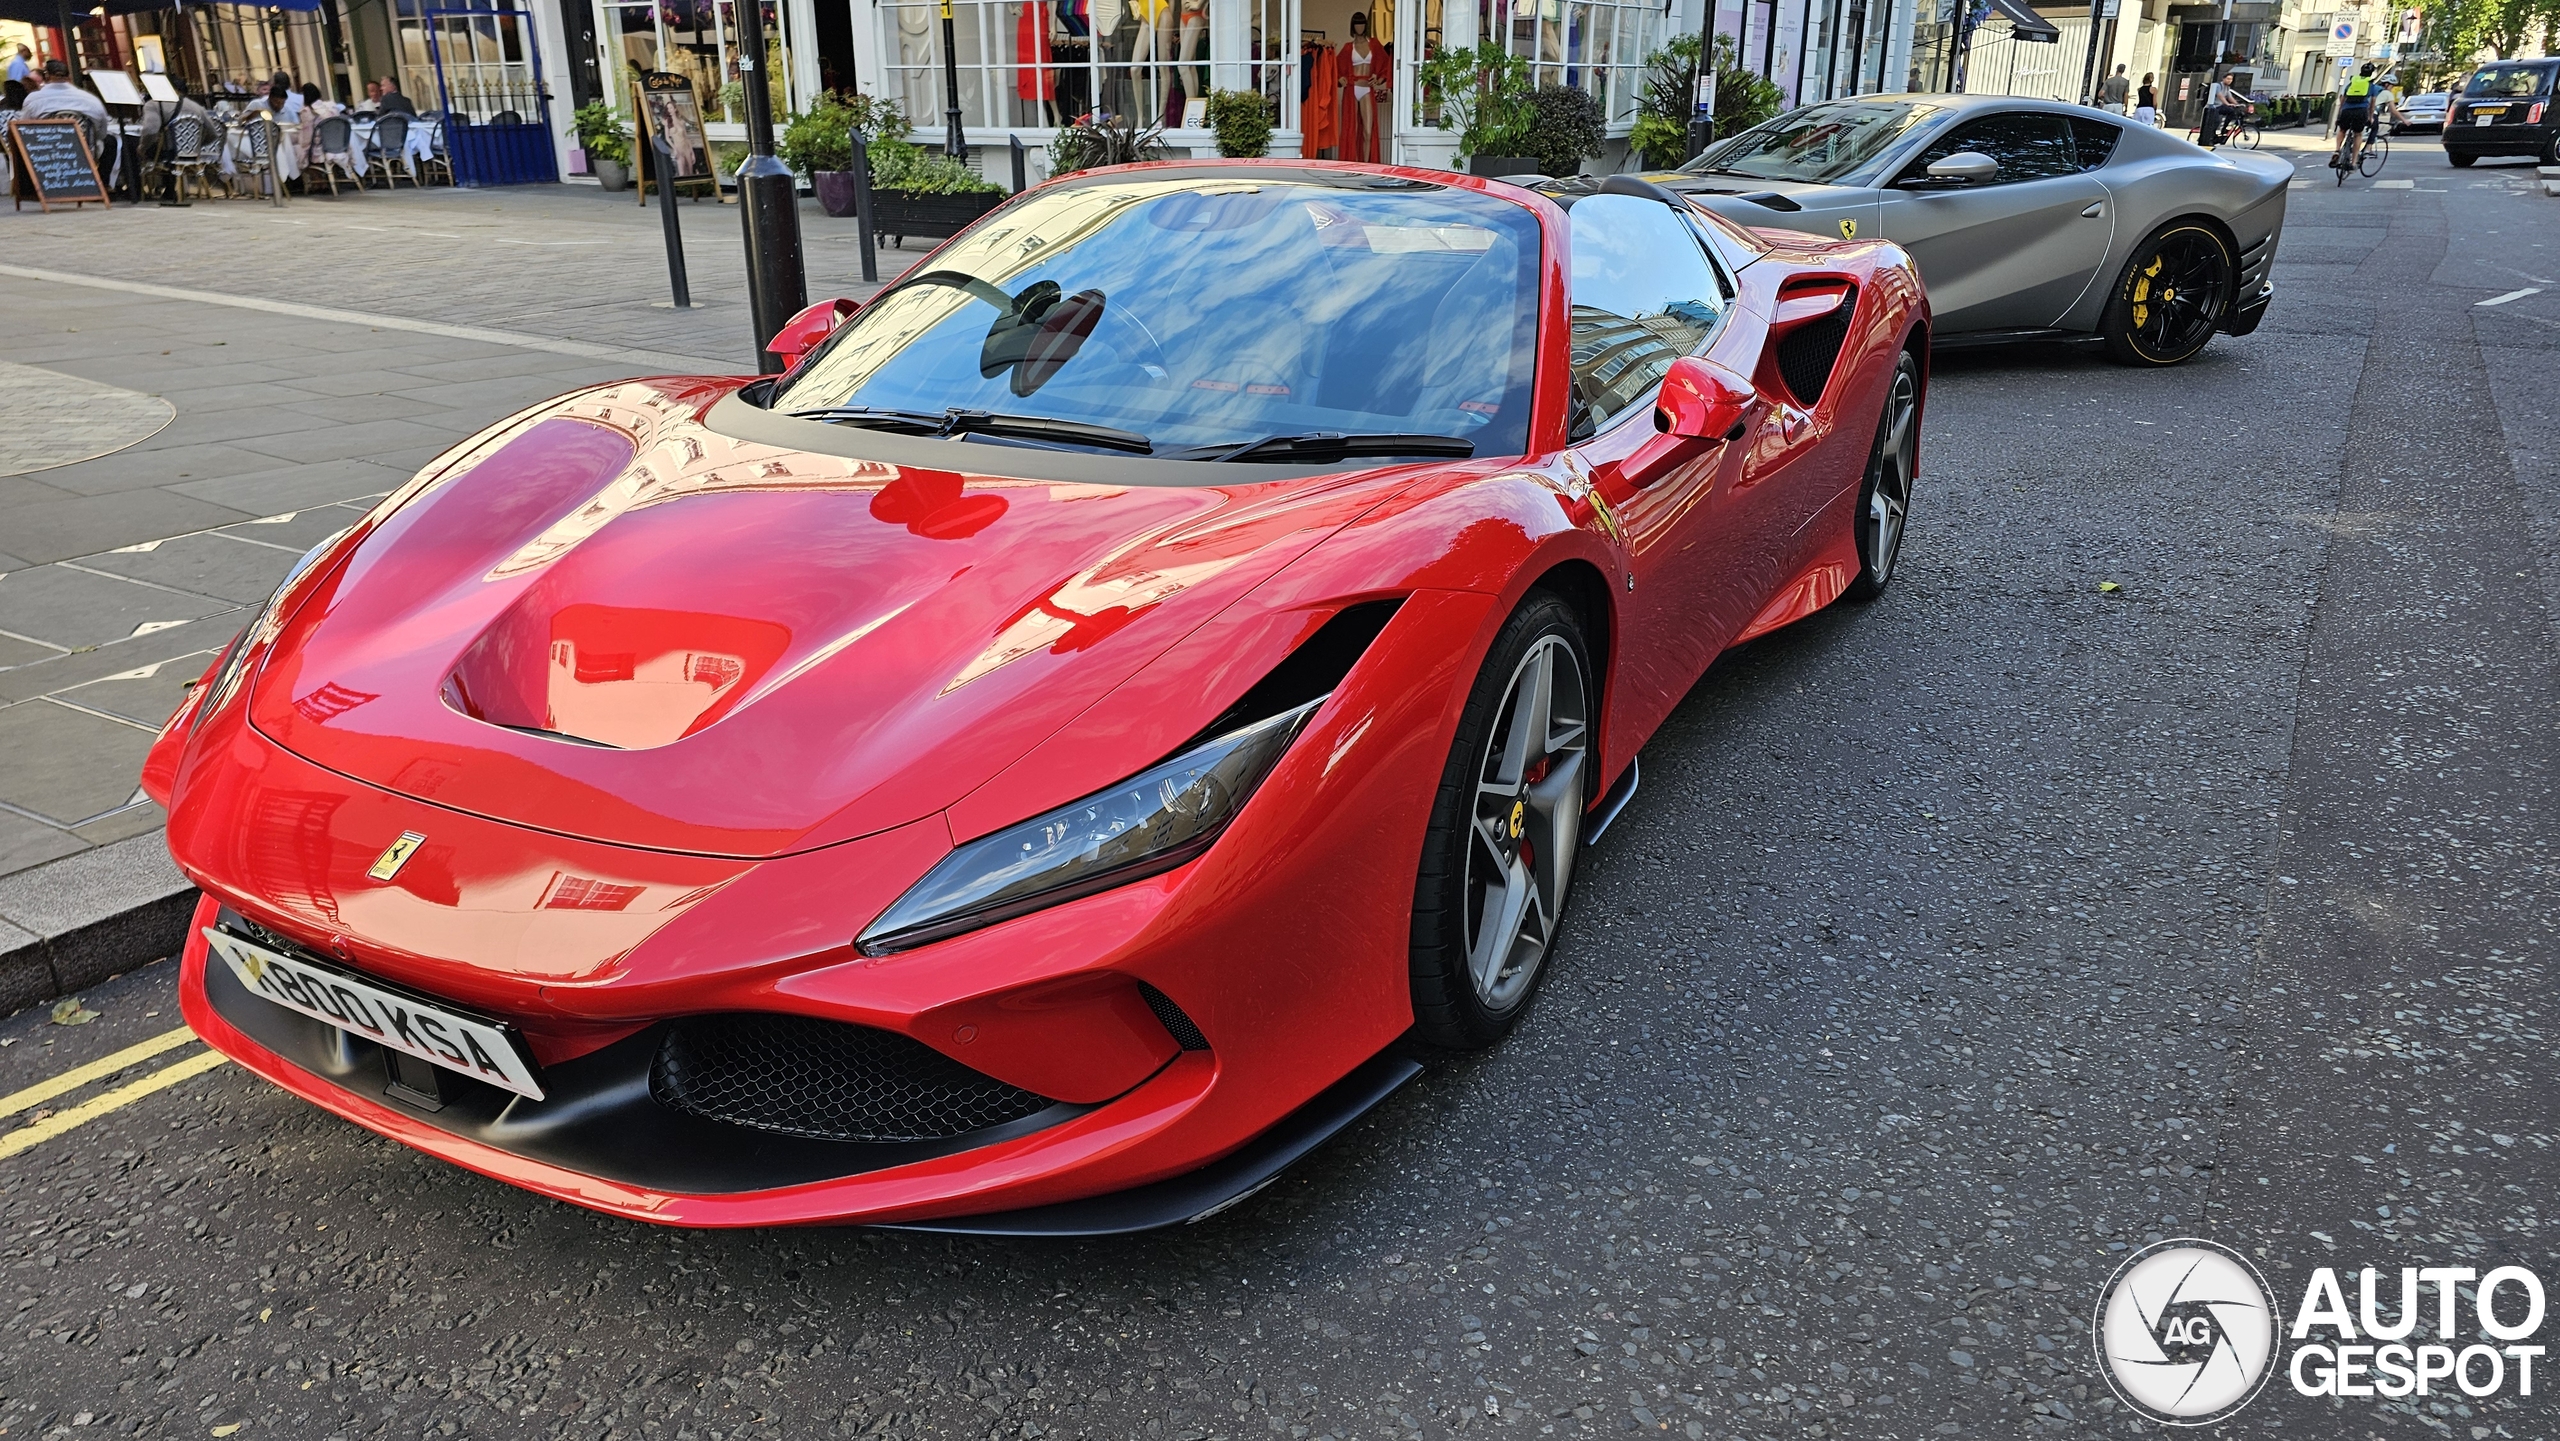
[391, 149]
[333, 143]
[193, 147]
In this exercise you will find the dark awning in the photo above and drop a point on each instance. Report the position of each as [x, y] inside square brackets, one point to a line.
[49, 13]
[2026, 24]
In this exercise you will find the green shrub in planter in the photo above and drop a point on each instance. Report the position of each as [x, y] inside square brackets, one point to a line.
[1565, 126]
[1097, 140]
[820, 139]
[1483, 94]
[1242, 119]
[600, 133]
[902, 166]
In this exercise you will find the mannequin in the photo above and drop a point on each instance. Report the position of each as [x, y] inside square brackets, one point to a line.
[1362, 67]
[1194, 46]
[1033, 79]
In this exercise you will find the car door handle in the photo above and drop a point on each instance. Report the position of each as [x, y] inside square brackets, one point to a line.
[2096, 208]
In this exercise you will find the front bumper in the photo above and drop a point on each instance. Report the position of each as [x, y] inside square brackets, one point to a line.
[1284, 946]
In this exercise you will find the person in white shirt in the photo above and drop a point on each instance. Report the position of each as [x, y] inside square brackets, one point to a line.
[22, 65]
[58, 96]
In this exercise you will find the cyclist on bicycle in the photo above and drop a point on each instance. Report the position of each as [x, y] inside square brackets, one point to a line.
[2354, 119]
[2224, 104]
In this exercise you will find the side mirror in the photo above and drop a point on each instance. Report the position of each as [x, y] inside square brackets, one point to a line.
[801, 333]
[1701, 404]
[1965, 167]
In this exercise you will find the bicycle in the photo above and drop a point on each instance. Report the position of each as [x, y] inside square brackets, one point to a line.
[2349, 154]
[2376, 151]
[2244, 133]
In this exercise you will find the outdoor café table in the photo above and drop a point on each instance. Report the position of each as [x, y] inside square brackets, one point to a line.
[235, 149]
[422, 142]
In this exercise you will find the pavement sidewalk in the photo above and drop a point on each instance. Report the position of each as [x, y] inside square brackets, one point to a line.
[190, 413]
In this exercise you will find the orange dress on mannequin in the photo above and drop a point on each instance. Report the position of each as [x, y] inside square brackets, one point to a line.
[1362, 69]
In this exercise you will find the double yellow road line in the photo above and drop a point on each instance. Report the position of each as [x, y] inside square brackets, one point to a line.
[82, 1113]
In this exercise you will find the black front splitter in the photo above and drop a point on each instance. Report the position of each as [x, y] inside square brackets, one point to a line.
[1201, 1194]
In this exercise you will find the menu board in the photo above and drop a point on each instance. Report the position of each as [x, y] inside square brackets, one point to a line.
[157, 86]
[54, 161]
[669, 112]
[115, 87]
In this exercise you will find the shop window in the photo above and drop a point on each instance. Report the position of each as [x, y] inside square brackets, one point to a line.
[1598, 46]
[1025, 64]
[697, 39]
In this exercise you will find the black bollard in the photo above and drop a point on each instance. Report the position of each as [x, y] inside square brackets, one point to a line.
[665, 167]
[862, 210]
[768, 202]
[1021, 174]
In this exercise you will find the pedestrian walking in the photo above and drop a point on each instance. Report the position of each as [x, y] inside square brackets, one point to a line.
[21, 65]
[2146, 103]
[2111, 91]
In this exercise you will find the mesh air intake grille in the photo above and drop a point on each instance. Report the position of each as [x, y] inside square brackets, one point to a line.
[1185, 1034]
[826, 1079]
[1807, 354]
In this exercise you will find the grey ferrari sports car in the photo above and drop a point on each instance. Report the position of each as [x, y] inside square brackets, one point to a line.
[2030, 219]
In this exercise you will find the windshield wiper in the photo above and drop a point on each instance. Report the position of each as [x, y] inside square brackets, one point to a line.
[960, 420]
[1324, 445]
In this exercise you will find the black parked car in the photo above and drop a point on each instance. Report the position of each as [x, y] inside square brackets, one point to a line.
[2507, 109]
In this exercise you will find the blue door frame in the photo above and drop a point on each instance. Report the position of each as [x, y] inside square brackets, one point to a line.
[484, 151]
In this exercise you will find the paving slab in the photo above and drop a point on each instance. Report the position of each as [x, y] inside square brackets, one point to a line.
[211, 564]
[66, 765]
[61, 606]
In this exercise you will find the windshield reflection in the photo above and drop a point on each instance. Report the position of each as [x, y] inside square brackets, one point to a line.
[1818, 144]
[1200, 312]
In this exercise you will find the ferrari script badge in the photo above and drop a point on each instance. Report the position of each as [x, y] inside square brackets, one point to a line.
[1848, 230]
[396, 855]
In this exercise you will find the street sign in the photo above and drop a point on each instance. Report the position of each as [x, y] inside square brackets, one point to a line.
[2342, 38]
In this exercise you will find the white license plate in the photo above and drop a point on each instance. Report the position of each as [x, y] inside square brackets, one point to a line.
[2484, 119]
[430, 1033]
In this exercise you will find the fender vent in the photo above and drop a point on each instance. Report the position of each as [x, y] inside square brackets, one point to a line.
[826, 1079]
[1807, 354]
[1184, 1033]
[1313, 669]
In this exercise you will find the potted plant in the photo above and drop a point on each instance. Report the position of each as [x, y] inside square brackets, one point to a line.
[1565, 125]
[1242, 120]
[818, 143]
[916, 193]
[608, 148]
[1665, 104]
[1483, 94]
[1098, 139]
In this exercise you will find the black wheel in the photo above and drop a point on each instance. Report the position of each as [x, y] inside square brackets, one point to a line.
[2465, 162]
[2376, 151]
[2551, 151]
[1884, 500]
[2172, 297]
[1505, 831]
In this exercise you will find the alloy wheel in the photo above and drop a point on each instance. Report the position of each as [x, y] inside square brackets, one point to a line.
[1897, 454]
[2176, 297]
[1527, 822]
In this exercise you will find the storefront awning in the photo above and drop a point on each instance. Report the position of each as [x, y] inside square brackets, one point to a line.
[2026, 24]
[47, 12]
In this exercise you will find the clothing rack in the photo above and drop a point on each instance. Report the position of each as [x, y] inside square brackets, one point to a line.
[1305, 35]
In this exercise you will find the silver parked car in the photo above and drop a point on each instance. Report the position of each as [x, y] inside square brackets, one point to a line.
[2422, 113]
[2030, 219]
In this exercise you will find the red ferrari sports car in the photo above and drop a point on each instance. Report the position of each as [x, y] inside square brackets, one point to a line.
[1067, 745]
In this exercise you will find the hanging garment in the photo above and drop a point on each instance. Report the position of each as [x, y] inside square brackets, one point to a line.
[1077, 16]
[1317, 108]
[1032, 77]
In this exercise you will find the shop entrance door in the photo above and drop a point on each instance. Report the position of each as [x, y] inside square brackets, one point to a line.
[497, 111]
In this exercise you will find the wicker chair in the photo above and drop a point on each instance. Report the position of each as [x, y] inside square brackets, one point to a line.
[439, 160]
[192, 151]
[333, 144]
[254, 161]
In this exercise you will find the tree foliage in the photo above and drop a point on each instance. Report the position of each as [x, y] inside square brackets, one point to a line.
[1663, 105]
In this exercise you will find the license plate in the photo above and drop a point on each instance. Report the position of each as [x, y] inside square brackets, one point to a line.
[431, 1033]
[2484, 119]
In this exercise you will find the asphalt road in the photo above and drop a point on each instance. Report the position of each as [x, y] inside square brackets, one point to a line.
[1953, 947]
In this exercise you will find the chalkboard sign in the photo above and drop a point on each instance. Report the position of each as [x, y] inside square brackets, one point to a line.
[54, 158]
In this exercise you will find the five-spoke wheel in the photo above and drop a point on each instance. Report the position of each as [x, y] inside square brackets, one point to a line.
[1506, 830]
[1884, 501]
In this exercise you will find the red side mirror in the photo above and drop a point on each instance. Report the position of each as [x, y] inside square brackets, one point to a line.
[1701, 404]
[801, 333]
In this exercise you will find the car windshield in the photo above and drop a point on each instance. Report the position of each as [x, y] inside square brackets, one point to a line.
[1817, 144]
[2510, 81]
[1209, 311]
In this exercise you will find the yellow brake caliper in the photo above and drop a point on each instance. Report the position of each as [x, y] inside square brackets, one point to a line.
[2142, 292]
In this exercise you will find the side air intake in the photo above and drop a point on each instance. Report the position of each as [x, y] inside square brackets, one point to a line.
[1808, 353]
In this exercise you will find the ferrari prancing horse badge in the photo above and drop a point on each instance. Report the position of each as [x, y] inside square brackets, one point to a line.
[1848, 230]
[396, 855]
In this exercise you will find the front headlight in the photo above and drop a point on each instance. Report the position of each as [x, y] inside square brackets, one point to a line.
[1150, 823]
[263, 624]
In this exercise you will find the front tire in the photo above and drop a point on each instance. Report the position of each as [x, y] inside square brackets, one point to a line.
[2174, 294]
[2465, 162]
[1884, 499]
[1506, 831]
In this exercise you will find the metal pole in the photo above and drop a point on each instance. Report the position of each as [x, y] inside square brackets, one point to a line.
[70, 40]
[1702, 85]
[666, 168]
[2089, 61]
[862, 210]
[768, 202]
[1769, 47]
[1858, 50]
[1021, 171]
[1884, 48]
[952, 144]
